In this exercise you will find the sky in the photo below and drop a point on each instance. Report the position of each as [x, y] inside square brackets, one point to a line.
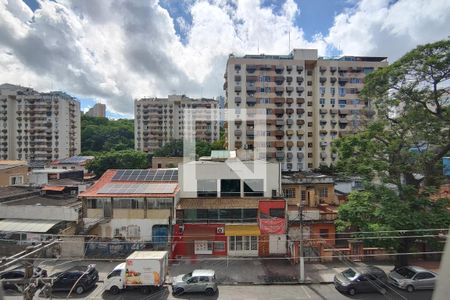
[114, 51]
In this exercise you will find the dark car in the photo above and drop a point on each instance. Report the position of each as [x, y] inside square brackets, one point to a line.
[64, 281]
[361, 280]
[19, 274]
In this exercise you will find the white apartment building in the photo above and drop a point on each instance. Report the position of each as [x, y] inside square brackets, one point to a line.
[38, 127]
[309, 102]
[98, 110]
[160, 120]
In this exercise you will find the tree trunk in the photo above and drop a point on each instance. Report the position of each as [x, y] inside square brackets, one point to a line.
[401, 259]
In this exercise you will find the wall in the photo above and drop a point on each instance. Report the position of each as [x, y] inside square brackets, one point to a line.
[166, 162]
[315, 232]
[143, 226]
[72, 246]
[43, 212]
[14, 171]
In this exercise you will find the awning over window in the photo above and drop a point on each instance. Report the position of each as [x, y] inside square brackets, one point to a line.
[242, 230]
[25, 225]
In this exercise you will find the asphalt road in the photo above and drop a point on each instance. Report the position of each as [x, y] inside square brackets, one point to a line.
[261, 292]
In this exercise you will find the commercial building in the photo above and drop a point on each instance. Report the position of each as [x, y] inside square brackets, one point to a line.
[225, 210]
[309, 102]
[98, 110]
[160, 120]
[13, 172]
[38, 127]
[134, 205]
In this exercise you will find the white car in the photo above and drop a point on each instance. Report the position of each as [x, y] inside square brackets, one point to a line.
[412, 278]
[198, 281]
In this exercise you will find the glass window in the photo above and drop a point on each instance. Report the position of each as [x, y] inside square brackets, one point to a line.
[254, 187]
[322, 90]
[219, 246]
[332, 91]
[246, 242]
[207, 188]
[322, 101]
[289, 193]
[341, 91]
[128, 203]
[114, 273]
[238, 243]
[324, 192]
[277, 212]
[203, 279]
[254, 243]
[230, 188]
[332, 101]
[249, 215]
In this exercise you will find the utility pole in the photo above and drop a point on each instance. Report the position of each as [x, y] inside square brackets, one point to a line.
[301, 262]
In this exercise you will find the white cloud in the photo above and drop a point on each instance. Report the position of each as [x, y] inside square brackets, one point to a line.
[377, 27]
[117, 50]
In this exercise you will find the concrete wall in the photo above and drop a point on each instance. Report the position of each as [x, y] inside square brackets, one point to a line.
[34, 212]
[166, 162]
[189, 173]
[72, 247]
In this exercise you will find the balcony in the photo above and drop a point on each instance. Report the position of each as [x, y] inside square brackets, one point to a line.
[333, 79]
[343, 112]
[279, 155]
[333, 69]
[289, 79]
[300, 89]
[289, 111]
[279, 69]
[323, 111]
[237, 88]
[289, 132]
[289, 89]
[279, 122]
[237, 122]
[300, 111]
[279, 79]
[300, 100]
[279, 101]
[289, 156]
[251, 88]
[251, 101]
[299, 69]
[279, 133]
[237, 78]
[238, 132]
[323, 155]
[278, 111]
[278, 144]
[250, 133]
[322, 79]
[322, 69]
[279, 89]
[300, 155]
[323, 144]
[343, 121]
[300, 79]
[333, 111]
[237, 100]
[290, 144]
[289, 101]
[289, 122]
[251, 68]
[300, 144]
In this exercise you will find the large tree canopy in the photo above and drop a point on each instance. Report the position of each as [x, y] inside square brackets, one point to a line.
[403, 147]
[102, 135]
[125, 159]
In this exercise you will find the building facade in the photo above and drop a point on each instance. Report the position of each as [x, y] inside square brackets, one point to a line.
[160, 120]
[226, 212]
[309, 101]
[98, 110]
[38, 127]
[13, 172]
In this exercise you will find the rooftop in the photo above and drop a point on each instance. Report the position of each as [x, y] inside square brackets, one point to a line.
[158, 183]
[13, 192]
[7, 164]
[81, 160]
[305, 178]
[63, 200]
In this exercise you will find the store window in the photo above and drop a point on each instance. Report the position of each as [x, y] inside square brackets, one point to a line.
[243, 243]
[203, 247]
[219, 246]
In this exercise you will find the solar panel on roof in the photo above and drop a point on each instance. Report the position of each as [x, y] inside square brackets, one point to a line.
[146, 175]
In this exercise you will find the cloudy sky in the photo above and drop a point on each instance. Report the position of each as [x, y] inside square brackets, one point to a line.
[113, 51]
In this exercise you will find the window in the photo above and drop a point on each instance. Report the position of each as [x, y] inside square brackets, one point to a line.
[332, 101]
[159, 203]
[240, 243]
[322, 101]
[16, 180]
[341, 91]
[423, 276]
[342, 103]
[203, 279]
[323, 233]
[254, 187]
[332, 91]
[230, 188]
[355, 101]
[309, 73]
[96, 203]
[322, 90]
[277, 212]
[219, 246]
[207, 188]
[323, 192]
[128, 203]
[203, 247]
[289, 193]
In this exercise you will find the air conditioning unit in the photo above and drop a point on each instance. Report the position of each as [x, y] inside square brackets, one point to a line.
[181, 229]
[220, 230]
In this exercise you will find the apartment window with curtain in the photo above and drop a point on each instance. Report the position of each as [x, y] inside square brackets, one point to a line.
[323, 192]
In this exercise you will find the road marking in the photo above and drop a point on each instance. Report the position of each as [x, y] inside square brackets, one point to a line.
[306, 292]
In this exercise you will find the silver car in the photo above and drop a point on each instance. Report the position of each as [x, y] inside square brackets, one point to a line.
[197, 281]
[412, 278]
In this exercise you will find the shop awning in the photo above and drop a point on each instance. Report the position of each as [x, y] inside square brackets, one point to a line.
[25, 225]
[242, 230]
[53, 188]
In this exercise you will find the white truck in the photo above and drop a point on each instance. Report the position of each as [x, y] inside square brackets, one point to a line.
[142, 269]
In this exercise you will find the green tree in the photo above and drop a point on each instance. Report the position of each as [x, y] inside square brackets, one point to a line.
[172, 149]
[125, 159]
[405, 144]
[102, 135]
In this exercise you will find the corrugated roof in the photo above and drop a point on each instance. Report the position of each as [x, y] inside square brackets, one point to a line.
[26, 225]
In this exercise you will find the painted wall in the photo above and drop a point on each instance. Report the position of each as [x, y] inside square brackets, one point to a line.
[34, 212]
[15, 171]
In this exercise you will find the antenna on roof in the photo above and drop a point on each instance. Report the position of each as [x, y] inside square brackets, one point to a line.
[258, 45]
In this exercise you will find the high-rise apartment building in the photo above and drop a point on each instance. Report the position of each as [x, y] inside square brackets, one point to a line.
[38, 127]
[309, 102]
[98, 110]
[160, 120]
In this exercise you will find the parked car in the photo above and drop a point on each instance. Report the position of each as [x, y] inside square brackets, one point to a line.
[19, 273]
[361, 280]
[64, 281]
[412, 278]
[196, 281]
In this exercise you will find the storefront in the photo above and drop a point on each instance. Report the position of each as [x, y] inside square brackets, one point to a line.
[242, 239]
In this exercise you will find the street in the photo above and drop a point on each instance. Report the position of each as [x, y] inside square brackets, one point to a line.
[240, 292]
